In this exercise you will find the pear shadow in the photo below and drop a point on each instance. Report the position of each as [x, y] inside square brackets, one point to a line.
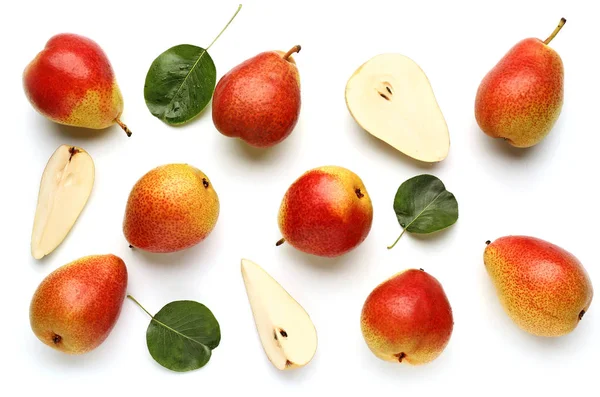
[540, 346]
[395, 370]
[564, 344]
[178, 259]
[48, 257]
[43, 262]
[242, 149]
[296, 374]
[57, 359]
[86, 134]
[75, 362]
[319, 262]
[380, 146]
[501, 147]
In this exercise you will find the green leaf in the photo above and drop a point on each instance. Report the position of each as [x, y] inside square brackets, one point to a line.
[423, 205]
[181, 82]
[182, 335]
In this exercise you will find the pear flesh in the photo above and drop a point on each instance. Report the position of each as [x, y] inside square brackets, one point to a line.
[392, 99]
[65, 187]
[287, 333]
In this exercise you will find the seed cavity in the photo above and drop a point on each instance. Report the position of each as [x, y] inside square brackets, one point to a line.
[73, 150]
[281, 332]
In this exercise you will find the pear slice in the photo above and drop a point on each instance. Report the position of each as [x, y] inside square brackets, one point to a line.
[287, 333]
[65, 187]
[391, 98]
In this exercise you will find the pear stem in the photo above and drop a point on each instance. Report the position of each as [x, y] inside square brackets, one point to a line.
[398, 239]
[228, 23]
[294, 49]
[122, 125]
[277, 244]
[140, 305]
[558, 28]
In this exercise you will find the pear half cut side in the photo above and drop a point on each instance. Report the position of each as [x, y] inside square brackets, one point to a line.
[286, 331]
[65, 187]
[391, 98]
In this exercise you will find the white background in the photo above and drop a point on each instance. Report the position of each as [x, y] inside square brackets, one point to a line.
[548, 191]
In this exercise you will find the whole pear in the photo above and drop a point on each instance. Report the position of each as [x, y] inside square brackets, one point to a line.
[407, 318]
[75, 307]
[521, 98]
[171, 208]
[259, 100]
[543, 288]
[326, 212]
[72, 82]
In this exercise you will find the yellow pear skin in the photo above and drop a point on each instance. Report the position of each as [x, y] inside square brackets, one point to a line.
[544, 289]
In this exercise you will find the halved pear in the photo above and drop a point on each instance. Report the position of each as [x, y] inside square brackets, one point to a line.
[392, 99]
[65, 187]
[287, 333]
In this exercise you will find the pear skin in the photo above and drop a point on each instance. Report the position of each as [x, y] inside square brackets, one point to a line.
[407, 318]
[75, 307]
[326, 212]
[521, 97]
[171, 208]
[259, 100]
[72, 82]
[543, 288]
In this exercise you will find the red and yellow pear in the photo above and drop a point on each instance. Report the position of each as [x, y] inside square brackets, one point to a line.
[171, 208]
[521, 97]
[407, 318]
[259, 100]
[72, 82]
[75, 307]
[542, 287]
[326, 212]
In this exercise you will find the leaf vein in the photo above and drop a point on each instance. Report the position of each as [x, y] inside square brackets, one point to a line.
[424, 209]
[184, 80]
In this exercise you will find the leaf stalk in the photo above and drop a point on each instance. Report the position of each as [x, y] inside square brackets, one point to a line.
[140, 305]
[398, 239]
[225, 28]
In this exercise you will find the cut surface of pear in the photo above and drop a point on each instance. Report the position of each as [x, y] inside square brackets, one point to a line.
[65, 187]
[391, 98]
[287, 333]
